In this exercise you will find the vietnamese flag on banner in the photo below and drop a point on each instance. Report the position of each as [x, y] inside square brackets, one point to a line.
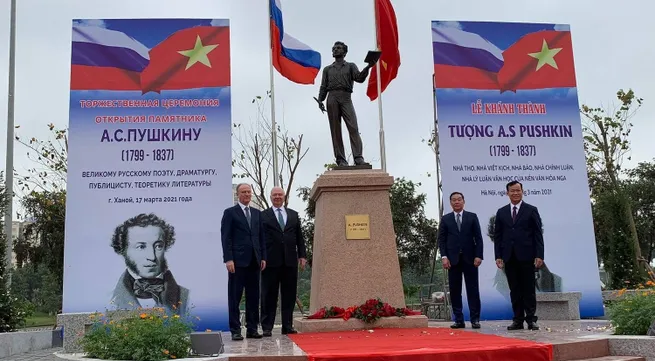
[387, 37]
[197, 57]
[539, 60]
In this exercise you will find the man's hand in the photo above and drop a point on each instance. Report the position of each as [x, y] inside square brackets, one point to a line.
[500, 264]
[230, 266]
[446, 263]
[477, 262]
[263, 265]
[538, 262]
[302, 262]
[321, 106]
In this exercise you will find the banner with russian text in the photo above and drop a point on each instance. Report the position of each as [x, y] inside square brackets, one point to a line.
[149, 167]
[507, 108]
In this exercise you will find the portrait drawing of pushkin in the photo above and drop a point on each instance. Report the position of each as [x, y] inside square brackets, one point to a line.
[147, 282]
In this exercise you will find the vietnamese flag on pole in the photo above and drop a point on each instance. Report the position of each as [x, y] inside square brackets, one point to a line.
[387, 38]
[539, 60]
[197, 57]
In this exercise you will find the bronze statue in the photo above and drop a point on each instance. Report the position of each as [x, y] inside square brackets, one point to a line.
[337, 81]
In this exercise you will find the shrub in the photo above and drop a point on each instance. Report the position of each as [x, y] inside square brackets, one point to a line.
[147, 335]
[633, 314]
[13, 312]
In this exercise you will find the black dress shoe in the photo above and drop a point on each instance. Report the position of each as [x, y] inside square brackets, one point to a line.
[289, 331]
[475, 324]
[458, 325]
[237, 337]
[515, 326]
[253, 335]
[533, 326]
[267, 333]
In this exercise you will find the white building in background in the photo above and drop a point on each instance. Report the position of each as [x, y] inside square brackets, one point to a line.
[17, 230]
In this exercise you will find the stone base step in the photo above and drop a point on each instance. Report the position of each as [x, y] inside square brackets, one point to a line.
[581, 350]
[615, 358]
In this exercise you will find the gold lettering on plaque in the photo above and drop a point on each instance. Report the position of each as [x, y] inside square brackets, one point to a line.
[358, 226]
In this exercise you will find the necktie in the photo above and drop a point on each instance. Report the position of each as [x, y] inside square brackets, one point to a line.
[280, 219]
[148, 288]
[459, 222]
[514, 214]
[248, 216]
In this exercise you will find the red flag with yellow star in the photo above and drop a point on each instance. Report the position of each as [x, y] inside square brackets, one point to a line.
[197, 57]
[387, 37]
[539, 60]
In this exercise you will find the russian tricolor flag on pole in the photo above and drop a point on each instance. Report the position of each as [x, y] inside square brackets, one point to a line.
[293, 59]
[464, 60]
[106, 59]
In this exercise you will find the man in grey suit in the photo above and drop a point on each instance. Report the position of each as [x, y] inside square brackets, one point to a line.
[147, 282]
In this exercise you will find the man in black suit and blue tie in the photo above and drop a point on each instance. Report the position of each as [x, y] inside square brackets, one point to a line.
[244, 254]
[461, 248]
[519, 248]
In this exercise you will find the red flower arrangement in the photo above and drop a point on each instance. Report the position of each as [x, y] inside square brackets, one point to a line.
[369, 312]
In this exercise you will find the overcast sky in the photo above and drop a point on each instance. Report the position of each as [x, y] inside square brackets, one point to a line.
[610, 42]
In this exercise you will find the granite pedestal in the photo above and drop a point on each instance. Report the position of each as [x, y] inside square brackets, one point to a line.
[347, 272]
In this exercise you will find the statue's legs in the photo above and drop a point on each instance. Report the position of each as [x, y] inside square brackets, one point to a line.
[334, 117]
[340, 105]
[350, 118]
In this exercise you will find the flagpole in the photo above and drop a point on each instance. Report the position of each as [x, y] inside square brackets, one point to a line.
[439, 193]
[383, 154]
[276, 176]
[9, 164]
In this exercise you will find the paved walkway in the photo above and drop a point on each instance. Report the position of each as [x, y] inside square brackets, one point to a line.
[43, 355]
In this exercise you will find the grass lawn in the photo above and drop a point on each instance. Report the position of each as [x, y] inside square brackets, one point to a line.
[40, 319]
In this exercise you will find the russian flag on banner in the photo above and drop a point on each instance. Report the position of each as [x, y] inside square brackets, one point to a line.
[293, 59]
[106, 59]
[464, 60]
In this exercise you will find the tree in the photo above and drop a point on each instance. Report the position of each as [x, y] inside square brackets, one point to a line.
[48, 212]
[37, 285]
[606, 144]
[12, 311]
[640, 187]
[44, 204]
[253, 157]
[51, 162]
[613, 240]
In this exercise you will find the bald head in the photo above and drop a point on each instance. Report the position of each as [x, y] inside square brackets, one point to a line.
[277, 197]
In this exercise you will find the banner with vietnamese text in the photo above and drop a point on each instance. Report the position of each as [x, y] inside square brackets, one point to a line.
[507, 110]
[149, 167]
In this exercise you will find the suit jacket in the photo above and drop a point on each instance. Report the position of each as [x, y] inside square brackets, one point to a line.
[173, 298]
[283, 246]
[239, 240]
[467, 241]
[523, 237]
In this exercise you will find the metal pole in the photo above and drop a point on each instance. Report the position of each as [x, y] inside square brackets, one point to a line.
[9, 170]
[439, 195]
[276, 175]
[383, 152]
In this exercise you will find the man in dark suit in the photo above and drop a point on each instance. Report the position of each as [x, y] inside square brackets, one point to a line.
[519, 247]
[244, 254]
[460, 245]
[285, 247]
